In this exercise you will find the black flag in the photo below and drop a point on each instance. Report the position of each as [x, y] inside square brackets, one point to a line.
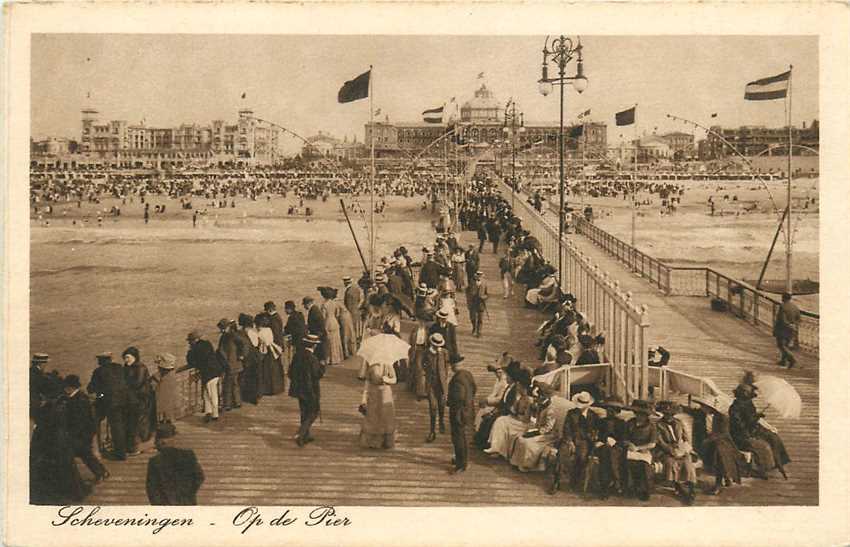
[243, 95]
[626, 117]
[355, 89]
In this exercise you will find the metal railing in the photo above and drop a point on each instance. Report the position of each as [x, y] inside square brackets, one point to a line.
[742, 299]
[599, 298]
[190, 388]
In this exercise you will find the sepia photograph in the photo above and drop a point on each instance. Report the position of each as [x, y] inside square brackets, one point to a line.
[350, 271]
[315, 270]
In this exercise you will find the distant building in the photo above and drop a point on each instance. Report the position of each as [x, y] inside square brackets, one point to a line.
[753, 140]
[122, 145]
[681, 145]
[481, 125]
[328, 146]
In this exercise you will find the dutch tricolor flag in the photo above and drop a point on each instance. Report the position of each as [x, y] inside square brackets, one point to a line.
[766, 89]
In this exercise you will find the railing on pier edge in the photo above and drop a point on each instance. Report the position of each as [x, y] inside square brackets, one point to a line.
[742, 300]
[605, 306]
[190, 388]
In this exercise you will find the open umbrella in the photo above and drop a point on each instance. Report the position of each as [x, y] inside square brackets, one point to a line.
[383, 348]
[780, 395]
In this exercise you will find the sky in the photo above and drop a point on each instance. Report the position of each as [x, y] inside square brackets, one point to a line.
[293, 80]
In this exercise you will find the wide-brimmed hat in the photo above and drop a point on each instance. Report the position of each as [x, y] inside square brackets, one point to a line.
[165, 360]
[311, 339]
[443, 313]
[641, 406]
[437, 340]
[667, 407]
[715, 404]
[583, 399]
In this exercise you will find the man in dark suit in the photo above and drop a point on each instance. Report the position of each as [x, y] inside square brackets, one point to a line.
[295, 327]
[276, 322]
[476, 301]
[610, 449]
[202, 357]
[109, 384]
[482, 233]
[430, 272]
[578, 439]
[305, 372]
[447, 330]
[472, 263]
[81, 426]
[174, 474]
[228, 351]
[316, 325]
[461, 402]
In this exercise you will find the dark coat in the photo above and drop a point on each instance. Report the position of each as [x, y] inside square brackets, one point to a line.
[461, 399]
[430, 274]
[316, 321]
[229, 351]
[296, 328]
[109, 384]
[612, 427]
[277, 328]
[174, 477]
[202, 357]
[579, 428]
[476, 297]
[138, 378]
[249, 359]
[352, 298]
[436, 365]
[305, 372]
[449, 334]
[79, 419]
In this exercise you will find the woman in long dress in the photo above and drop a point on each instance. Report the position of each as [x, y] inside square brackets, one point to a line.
[378, 429]
[507, 428]
[330, 311]
[529, 448]
[749, 434]
[270, 366]
[165, 382]
[459, 268]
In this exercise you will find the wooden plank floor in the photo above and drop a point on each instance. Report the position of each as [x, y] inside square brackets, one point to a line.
[249, 456]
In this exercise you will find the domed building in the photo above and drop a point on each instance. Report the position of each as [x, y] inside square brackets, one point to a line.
[482, 108]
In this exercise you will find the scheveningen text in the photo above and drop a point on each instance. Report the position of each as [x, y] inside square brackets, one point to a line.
[73, 516]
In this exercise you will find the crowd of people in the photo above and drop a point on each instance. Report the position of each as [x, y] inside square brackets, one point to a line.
[582, 441]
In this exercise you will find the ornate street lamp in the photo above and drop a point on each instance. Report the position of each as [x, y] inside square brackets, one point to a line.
[561, 51]
[514, 124]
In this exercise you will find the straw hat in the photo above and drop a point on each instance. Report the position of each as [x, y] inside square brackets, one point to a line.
[583, 399]
[437, 340]
[165, 361]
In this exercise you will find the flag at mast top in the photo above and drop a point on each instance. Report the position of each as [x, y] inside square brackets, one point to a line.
[355, 89]
[766, 89]
[626, 117]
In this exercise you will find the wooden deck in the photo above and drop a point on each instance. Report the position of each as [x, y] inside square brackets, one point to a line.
[249, 456]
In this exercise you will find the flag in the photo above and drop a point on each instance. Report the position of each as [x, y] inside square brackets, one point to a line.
[377, 112]
[714, 115]
[626, 117]
[766, 89]
[584, 114]
[576, 131]
[355, 89]
[243, 95]
[434, 115]
[480, 75]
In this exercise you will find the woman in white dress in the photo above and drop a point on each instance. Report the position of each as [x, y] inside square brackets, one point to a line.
[507, 428]
[459, 268]
[378, 429]
[529, 448]
[330, 311]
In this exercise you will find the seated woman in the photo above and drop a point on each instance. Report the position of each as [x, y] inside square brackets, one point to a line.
[491, 403]
[510, 426]
[750, 434]
[717, 450]
[548, 292]
[488, 415]
[639, 442]
[527, 454]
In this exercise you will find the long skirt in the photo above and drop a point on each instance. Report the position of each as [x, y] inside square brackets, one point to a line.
[459, 276]
[721, 456]
[416, 374]
[334, 347]
[527, 452]
[249, 385]
[264, 374]
[503, 434]
[762, 452]
[780, 455]
[275, 369]
[378, 429]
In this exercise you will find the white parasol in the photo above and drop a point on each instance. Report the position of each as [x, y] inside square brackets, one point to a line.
[780, 395]
[383, 348]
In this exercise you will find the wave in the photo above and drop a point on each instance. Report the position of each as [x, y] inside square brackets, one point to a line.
[84, 269]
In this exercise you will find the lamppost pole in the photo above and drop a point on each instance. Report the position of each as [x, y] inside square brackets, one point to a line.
[562, 50]
[512, 128]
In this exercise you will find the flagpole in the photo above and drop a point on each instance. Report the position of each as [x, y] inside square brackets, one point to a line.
[372, 177]
[789, 282]
[634, 179]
